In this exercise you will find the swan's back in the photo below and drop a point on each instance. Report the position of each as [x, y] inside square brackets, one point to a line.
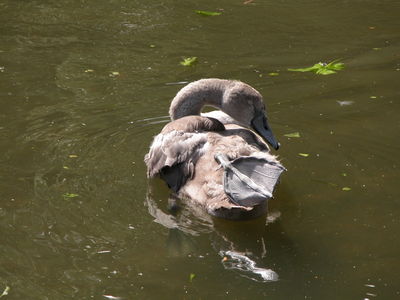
[183, 156]
[193, 124]
[177, 148]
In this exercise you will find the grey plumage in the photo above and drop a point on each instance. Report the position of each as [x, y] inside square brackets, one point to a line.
[183, 153]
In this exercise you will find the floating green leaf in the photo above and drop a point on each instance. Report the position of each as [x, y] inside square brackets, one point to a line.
[309, 69]
[304, 154]
[5, 292]
[188, 61]
[322, 68]
[207, 13]
[273, 74]
[69, 195]
[292, 135]
[346, 188]
[192, 276]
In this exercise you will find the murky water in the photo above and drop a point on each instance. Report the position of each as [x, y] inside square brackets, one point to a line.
[84, 87]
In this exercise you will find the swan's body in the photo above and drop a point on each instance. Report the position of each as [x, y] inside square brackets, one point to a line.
[183, 154]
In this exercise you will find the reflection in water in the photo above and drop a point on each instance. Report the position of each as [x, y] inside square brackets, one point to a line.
[191, 220]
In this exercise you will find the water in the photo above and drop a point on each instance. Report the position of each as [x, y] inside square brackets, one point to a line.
[84, 87]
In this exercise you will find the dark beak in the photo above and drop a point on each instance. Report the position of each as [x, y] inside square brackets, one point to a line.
[260, 125]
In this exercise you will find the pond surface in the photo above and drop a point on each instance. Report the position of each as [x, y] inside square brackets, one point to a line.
[84, 87]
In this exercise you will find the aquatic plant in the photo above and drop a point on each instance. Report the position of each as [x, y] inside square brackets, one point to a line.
[322, 68]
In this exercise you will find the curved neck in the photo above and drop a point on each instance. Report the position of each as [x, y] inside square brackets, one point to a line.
[192, 98]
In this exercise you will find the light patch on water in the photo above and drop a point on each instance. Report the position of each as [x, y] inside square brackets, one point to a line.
[177, 83]
[112, 297]
[371, 292]
[272, 217]
[233, 260]
[345, 102]
[103, 251]
[151, 121]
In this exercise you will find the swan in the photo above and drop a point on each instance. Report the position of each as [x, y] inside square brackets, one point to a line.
[213, 159]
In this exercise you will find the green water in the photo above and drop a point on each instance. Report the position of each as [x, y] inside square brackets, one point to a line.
[85, 85]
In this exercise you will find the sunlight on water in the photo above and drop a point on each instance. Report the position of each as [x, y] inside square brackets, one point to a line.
[239, 261]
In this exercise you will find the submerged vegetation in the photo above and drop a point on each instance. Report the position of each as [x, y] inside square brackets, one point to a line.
[188, 61]
[292, 135]
[70, 195]
[207, 13]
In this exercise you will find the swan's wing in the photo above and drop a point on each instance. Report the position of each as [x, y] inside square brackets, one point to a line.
[177, 148]
[173, 155]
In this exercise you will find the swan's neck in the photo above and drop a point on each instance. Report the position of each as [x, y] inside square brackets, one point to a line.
[192, 98]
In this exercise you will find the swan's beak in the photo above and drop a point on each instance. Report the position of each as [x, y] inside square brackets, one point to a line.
[260, 125]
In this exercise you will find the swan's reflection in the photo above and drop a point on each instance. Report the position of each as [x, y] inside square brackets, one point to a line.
[238, 249]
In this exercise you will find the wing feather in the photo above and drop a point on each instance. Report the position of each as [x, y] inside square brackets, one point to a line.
[173, 155]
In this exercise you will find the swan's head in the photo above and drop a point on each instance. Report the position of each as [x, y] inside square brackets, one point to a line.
[246, 105]
[260, 124]
[235, 98]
